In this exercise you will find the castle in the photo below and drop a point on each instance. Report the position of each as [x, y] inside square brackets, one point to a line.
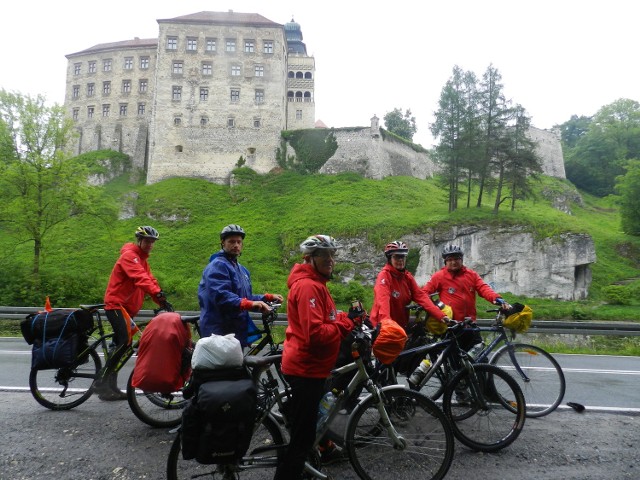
[214, 91]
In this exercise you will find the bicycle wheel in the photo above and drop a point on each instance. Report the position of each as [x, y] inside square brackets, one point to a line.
[486, 415]
[545, 384]
[259, 456]
[65, 388]
[154, 408]
[427, 443]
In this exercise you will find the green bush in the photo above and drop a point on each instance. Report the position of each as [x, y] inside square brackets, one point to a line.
[617, 294]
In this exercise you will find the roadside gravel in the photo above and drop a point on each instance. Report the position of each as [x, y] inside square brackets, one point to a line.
[104, 441]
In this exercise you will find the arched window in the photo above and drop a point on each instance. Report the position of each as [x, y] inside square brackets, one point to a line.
[308, 75]
[292, 75]
[290, 96]
[307, 96]
[298, 96]
[299, 75]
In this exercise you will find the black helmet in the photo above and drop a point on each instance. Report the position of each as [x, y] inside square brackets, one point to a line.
[147, 232]
[232, 230]
[450, 250]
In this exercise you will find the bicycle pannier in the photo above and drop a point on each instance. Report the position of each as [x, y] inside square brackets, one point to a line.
[218, 423]
[159, 366]
[60, 322]
[519, 318]
[389, 342]
[54, 353]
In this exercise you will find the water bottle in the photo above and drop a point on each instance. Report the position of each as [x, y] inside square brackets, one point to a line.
[325, 405]
[475, 350]
[419, 373]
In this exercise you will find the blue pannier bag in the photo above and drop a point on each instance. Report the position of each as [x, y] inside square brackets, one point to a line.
[54, 353]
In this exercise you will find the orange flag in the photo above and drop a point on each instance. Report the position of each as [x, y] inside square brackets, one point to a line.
[47, 305]
[132, 328]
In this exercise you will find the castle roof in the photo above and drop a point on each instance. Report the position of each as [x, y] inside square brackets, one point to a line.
[224, 18]
[122, 45]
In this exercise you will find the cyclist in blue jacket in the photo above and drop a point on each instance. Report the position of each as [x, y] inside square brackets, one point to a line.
[225, 295]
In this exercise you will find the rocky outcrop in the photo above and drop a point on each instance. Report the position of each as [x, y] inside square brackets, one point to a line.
[510, 259]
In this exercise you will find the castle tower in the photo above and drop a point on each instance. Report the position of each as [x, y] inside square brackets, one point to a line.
[301, 70]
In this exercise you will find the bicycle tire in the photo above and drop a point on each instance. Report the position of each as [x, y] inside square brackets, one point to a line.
[428, 442]
[546, 383]
[156, 409]
[267, 433]
[490, 419]
[68, 387]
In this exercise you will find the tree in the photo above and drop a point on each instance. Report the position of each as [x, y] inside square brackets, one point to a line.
[402, 125]
[628, 186]
[39, 186]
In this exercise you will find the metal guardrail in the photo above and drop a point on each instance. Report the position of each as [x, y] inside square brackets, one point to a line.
[537, 326]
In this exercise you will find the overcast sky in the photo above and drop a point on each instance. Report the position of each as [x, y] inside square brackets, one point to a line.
[557, 57]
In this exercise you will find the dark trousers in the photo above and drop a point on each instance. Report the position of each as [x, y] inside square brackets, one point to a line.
[305, 400]
[120, 339]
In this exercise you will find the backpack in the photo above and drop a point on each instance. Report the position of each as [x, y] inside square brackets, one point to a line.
[217, 425]
[163, 345]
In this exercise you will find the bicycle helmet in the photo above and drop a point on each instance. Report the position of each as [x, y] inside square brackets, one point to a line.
[396, 247]
[232, 229]
[147, 232]
[318, 242]
[450, 250]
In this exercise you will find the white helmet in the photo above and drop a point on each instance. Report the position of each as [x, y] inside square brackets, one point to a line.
[318, 242]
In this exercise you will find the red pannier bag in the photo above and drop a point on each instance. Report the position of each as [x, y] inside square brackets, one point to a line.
[160, 367]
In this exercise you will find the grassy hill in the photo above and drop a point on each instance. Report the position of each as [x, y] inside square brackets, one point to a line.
[278, 211]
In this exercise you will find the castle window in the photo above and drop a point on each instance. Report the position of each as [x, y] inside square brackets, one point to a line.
[268, 47]
[291, 75]
[259, 98]
[143, 85]
[178, 148]
[90, 110]
[204, 94]
[76, 68]
[126, 86]
[231, 122]
[256, 122]
[203, 121]
[144, 63]
[307, 96]
[235, 95]
[210, 45]
[298, 96]
[75, 113]
[207, 68]
[235, 70]
[290, 96]
[308, 75]
[177, 93]
[106, 65]
[192, 44]
[106, 88]
[230, 45]
[249, 46]
[105, 109]
[299, 75]
[259, 69]
[128, 63]
[92, 67]
[91, 89]
[172, 43]
[76, 91]
[177, 68]
[177, 121]
[298, 114]
[123, 109]
[141, 108]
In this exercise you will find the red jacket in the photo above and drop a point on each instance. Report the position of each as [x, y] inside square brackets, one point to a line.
[130, 279]
[393, 291]
[315, 329]
[459, 291]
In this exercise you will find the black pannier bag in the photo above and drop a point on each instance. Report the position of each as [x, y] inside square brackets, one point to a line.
[60, 322]
[54, 353]
[217, 425]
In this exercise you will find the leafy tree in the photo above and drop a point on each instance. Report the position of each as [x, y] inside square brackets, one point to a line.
[628, 186]
[573, 130]
[39, 186]
[402, 125]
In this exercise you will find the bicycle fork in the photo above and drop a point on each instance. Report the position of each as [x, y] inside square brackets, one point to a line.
[399, 442]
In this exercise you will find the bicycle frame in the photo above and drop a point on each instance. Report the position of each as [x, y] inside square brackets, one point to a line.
[501, 336]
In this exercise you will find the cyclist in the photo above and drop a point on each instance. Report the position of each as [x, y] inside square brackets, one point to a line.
[312, 339]
[225, 294]
[130, 280]
[457, 285]
[395, 288]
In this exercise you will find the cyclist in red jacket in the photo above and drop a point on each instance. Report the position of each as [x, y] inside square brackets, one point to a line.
[395, 288]
[312, 339]
[457, 285]
[130, 280]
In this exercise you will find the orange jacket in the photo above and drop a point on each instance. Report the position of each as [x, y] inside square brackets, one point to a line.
[393, 291]
[130, 279]
[315, 329]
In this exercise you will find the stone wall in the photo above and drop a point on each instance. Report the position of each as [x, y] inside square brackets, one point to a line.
[509, 259]
[549, 149]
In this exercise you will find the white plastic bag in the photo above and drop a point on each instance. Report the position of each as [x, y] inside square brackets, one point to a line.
[217, 351]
